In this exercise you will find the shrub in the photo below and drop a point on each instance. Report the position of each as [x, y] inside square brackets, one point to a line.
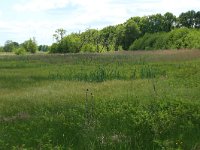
[193, 39]
[88, 48]
[1, 49]
[53, 48]
[176, 39]
[30, 45]
[20, 51]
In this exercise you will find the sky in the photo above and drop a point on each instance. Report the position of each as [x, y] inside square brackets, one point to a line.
[24, 19]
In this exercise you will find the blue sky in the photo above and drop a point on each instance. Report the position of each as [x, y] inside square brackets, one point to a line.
[23, 19]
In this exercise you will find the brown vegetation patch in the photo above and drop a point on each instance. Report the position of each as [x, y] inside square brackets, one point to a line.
[18, 116]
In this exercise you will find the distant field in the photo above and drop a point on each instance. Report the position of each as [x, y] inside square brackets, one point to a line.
[119, 100]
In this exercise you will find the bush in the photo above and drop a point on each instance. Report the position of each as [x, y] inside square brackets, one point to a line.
[1, 49]
[54, 48]
[88, 48]
[69, 44]
[161, 41]
[30, 46]
[150, 42]
[20, 51]
[193, 40]
[139, 43]
[177, 39]
[72, 44]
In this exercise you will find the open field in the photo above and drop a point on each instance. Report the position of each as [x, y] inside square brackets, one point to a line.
[124, 100]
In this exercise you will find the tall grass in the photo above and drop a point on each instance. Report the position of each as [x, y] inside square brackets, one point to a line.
[109, 101]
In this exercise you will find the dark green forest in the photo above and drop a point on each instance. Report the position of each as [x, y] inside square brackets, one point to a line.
[137, 33]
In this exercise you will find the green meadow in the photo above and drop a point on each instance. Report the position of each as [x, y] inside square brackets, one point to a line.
[146, 100]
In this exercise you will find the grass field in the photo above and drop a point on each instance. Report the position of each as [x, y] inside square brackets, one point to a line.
[125, 100]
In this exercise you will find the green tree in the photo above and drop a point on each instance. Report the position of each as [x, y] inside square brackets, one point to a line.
[20, 51]
[156, 23]
[43, 48]
[151, 24]
[197, 20]
[59, 34]
[69, 44]
[54, 48]
[30, 45]
[123, 35]
[169, 22]
[10, 46]
[143, 25]
[131, 33]
[187, 19]
[108, 37]
[72, 43]
[91, 37]
[120, 35]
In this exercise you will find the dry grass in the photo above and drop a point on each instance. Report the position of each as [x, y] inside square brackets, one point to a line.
[17, 117]
[159, 52]
[6, 54]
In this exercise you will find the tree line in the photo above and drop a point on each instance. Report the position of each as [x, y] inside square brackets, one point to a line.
[148, 32]
[27, 46]
[122, 36]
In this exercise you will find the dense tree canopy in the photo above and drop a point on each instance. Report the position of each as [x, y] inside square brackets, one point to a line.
[135, 33]
[131, 33]
[108, 38]
[176, 39]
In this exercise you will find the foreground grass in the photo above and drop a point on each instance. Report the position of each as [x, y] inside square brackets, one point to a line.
[110, 101]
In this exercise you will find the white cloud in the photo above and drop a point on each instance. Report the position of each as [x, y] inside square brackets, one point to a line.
[182, 5]
[40, 5]
[162, 6]
[87, 10]
[21, 31]
[87, 13]
[114, 11]
[104, 10]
